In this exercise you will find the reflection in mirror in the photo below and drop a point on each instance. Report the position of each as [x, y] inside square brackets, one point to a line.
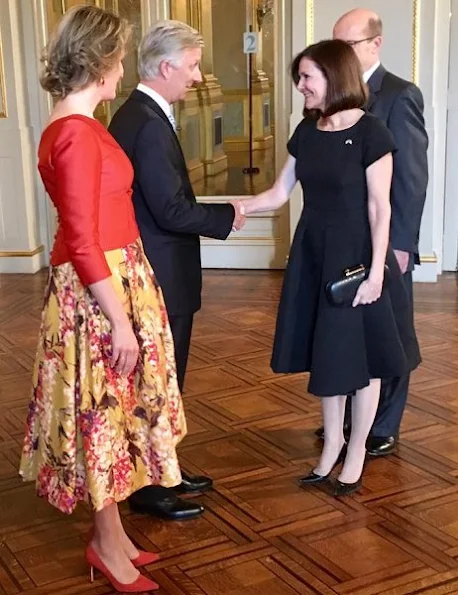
[129, 9]
[213, 120]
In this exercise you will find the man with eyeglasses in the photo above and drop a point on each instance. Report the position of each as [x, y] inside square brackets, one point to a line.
[399, 103]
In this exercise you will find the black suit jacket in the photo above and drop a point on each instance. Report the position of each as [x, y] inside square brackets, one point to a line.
[399, 103]
[169, 218]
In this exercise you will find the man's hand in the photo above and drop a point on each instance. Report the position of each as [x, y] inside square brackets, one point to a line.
[403, 260]
[240, 218]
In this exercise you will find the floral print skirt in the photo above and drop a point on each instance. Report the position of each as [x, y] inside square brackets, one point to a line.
[93, 434]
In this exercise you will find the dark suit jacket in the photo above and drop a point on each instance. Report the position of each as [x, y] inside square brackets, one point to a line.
[399, 103]
[169, 218]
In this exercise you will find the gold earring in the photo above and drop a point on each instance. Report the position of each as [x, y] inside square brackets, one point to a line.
[102, 80]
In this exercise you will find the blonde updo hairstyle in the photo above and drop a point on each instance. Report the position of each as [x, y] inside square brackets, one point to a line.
[86, 44]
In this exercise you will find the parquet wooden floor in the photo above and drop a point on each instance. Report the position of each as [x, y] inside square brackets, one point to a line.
[252, 431]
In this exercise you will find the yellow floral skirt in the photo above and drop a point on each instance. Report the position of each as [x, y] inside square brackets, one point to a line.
[93, 434]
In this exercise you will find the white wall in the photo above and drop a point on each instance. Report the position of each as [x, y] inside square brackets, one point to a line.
[397, 50]
[21, 244]
[451, 187]
[433, 80]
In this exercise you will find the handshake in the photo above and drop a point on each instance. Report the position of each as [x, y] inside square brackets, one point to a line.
[240, 217]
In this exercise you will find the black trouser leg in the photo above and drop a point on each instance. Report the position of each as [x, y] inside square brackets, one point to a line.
[181, 327]
[393, 396]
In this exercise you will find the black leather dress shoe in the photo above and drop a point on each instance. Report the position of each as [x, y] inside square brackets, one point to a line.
[319, 433]
[381, 447]
[191, 484]
[164, 503]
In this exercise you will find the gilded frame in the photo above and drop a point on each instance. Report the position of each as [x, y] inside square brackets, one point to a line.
[310, 21]
[416, 41]
[3, 106]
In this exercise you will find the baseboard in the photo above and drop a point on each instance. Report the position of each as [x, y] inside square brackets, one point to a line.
[425, 273]
[22, 262]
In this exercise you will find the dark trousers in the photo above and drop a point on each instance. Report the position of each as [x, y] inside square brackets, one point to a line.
[181, 327]
[393, 394]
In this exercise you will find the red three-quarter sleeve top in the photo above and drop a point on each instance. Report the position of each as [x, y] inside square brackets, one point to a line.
[89, 178]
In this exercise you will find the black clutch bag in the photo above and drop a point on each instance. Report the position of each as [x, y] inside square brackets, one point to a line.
[343, 291]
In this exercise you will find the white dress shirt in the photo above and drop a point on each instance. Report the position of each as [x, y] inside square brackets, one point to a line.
[367, 75]
[162, 103]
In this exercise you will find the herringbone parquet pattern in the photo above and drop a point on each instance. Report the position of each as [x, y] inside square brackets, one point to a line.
[252, 431]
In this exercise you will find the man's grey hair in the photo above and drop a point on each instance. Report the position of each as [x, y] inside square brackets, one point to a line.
[165, 40]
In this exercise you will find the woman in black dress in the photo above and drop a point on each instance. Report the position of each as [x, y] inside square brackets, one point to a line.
[342, 157]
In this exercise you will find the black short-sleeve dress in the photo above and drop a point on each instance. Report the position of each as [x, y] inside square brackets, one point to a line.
[341, 347]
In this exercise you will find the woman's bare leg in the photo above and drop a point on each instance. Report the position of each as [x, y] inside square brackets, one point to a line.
[129, 548]
[333, 409]
[108, 546]
[363, 410]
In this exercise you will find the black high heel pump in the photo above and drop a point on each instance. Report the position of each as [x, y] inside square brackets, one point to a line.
[313, 478]
[345, 489]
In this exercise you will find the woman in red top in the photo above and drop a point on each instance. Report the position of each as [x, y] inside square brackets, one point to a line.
[106, 413]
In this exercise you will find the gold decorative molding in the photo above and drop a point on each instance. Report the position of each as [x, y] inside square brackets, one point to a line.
[195, 14]
[416, 41]
[310, 21]
[3, 110]
[428, 259]
[19, 254]
[152, 11]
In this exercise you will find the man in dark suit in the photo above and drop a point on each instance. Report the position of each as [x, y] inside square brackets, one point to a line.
[399, 103]
[169, 218]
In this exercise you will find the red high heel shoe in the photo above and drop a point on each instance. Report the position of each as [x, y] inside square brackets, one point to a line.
[145, 558]
[140, 585]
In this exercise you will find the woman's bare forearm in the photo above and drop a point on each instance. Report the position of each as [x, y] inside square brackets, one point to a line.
[269, 200]
[379, 176]
[275, 197]
[379, 220]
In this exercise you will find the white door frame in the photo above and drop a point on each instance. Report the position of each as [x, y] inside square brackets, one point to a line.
[39, 117]
[450, 241]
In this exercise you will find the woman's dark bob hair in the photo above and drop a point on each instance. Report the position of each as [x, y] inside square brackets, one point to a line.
[342, 70]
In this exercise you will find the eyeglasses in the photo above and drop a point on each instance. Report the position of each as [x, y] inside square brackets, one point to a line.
[353, 43]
